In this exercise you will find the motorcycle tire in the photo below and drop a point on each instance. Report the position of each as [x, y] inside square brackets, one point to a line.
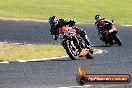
[89, 55]
[117, 40]
[68, 51]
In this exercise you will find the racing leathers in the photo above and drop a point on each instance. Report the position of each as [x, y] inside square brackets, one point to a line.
[104, 24]
[62, 22]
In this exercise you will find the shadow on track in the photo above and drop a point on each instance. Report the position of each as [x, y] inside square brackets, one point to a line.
[106, 46]
[100, 46]
[57, 60]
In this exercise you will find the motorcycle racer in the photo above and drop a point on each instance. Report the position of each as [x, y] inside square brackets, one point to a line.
[103, 24]
[55, 25]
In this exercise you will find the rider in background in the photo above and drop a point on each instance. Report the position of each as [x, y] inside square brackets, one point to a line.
[57, 23]
[103, 24]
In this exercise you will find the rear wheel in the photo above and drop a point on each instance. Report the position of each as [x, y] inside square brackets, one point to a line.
[89, 55]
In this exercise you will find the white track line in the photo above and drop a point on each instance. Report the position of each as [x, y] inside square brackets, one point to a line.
[88, 86]
[52, 58]
[99, 52]
[33, 60]
[75, 86]
[105, 51]
[43, 59]
[5, 62]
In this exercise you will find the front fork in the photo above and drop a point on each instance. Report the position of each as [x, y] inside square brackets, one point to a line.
[74, 39]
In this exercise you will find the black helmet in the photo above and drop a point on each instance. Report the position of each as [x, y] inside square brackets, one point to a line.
[97, 17]
[53, 21]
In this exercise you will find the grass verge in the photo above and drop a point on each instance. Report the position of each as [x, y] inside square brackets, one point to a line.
[13, 51]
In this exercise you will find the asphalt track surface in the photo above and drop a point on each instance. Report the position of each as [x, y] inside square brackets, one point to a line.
[61, 73]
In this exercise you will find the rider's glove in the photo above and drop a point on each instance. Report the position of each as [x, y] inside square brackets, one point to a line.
[54, 37]
[61, 36]
[110, 31]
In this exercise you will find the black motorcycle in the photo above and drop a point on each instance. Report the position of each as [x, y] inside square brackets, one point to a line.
[74, 44]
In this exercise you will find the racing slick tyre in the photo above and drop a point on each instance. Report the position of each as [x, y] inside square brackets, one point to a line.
[70, 51]
[117, 40]
[89, 55]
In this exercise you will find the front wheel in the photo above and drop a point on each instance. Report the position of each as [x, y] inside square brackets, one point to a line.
[117, 40]
[71, 50]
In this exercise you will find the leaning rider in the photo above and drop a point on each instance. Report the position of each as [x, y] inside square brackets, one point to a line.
[103, 24]
[57, 23]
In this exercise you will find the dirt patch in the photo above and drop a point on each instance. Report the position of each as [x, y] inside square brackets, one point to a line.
[27, 19]
[22, 19]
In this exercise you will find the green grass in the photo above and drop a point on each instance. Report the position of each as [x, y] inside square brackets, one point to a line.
[80, 10]
[12, 51]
